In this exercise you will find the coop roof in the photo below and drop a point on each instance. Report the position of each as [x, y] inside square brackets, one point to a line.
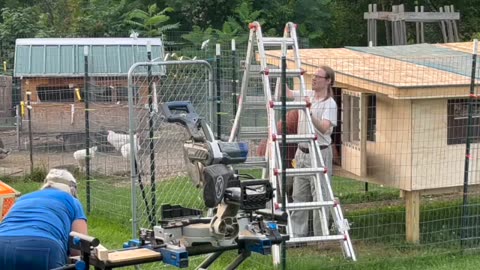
[64, 57]
[408, 71]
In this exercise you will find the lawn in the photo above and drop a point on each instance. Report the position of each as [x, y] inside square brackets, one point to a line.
[376, 218]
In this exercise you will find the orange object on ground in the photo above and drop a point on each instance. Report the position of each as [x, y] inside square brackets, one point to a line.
[8, 195]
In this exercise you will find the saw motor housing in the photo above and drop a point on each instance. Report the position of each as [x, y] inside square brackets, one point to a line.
[209, 166]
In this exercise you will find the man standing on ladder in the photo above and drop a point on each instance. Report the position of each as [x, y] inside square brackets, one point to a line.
[324, 117]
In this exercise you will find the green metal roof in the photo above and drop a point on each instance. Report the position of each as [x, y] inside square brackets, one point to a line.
[53, 57]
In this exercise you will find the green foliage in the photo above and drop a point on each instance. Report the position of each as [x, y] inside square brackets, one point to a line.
[101, 18]
[235, 27]
[19, 23]
[203, 13]
[322, 23]
[245, 13]
[198, 35]
[150, 23]
[38, 174]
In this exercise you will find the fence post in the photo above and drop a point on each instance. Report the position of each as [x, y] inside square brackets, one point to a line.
[284, 150]
[234, 78]
[465, 212]
[151, 215]
[30, 135]
[87, 126]
[218, 99]
[18, 122]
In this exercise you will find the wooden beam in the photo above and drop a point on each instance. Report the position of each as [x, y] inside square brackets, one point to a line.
[449, 26]
[444, 29]
[363, 133]
[395, 36]
[369, 26]
[454, 23]
[412, 216]
[403, 26]
[101, 253]
[412, 16]
[421, 27]
[375, 27]
[417, 28]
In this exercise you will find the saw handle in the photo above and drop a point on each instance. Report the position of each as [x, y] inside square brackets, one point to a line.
[187, 117]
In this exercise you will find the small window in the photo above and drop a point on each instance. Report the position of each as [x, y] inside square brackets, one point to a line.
[371, 117]
[351, 119]
[458, 121]
[56, 94]
[122, 93]
[100, 94]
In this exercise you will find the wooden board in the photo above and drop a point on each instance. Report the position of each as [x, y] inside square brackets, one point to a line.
[371, 73]
[466, 47]
[133, 254]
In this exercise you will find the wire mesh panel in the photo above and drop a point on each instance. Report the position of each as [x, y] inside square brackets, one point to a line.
[405, 115]
[404, 119]
[159, 171]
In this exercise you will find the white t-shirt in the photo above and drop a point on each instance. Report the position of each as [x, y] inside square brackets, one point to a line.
[321, 109]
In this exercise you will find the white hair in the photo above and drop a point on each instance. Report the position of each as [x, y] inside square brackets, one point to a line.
[62, 180]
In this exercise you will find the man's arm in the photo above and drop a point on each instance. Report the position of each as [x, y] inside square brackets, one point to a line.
[80, 226]
[323, 125]
[290, 93]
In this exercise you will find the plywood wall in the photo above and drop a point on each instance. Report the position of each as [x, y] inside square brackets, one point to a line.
[48, 118]
[389, 158]
[435, 163]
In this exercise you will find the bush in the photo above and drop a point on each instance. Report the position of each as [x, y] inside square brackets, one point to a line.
[38, 174]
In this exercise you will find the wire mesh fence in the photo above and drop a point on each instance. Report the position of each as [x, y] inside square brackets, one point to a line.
[160, 163]
[401, 171]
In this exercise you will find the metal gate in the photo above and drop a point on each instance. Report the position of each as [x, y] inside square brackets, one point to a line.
[158, 173]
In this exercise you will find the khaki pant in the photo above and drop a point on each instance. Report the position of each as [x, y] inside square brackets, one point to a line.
[304, 191]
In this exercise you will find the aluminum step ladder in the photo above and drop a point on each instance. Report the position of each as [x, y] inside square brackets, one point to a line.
[256, 66]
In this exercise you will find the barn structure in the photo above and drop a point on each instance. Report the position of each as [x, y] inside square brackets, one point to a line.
[403, 116]
[54, 71]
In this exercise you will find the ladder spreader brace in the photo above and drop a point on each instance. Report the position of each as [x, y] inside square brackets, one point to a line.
[271, 163]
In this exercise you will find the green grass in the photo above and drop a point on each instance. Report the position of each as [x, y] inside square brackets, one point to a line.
[349, 191]
[378, 230]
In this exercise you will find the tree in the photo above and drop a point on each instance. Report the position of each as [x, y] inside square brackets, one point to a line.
[151, 23]
[17, 23]
[101, 18]
[198, 36]
[203, 13]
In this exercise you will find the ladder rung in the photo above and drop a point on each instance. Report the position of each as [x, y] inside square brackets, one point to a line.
[308, 205]
[289, 105]
[317, 238]
[289, 73]
[255, 102]
[277, 41]
[304, 171]
[256, 71]
[296, 138]
[252, 162]
[253, 133]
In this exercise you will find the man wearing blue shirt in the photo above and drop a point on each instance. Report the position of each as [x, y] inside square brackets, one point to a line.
[34, 234]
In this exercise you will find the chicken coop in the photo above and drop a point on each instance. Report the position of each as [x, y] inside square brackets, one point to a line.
[404, 113]
[57, 72]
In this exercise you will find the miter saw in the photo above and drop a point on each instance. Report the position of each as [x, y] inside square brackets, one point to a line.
[234, 199]
[183, 232]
